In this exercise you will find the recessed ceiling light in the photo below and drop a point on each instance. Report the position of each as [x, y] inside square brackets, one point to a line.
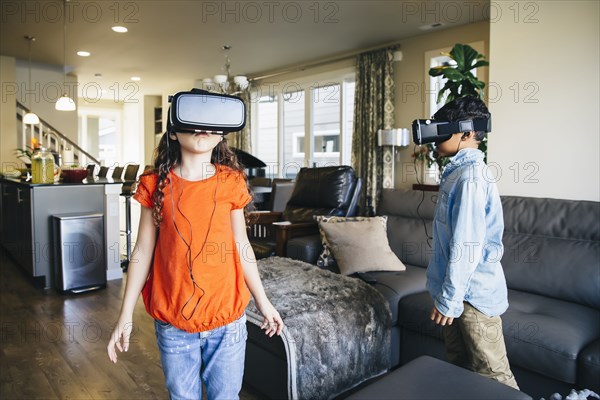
[84, 53]
[435, 25]
[119, 29]
[136, 78]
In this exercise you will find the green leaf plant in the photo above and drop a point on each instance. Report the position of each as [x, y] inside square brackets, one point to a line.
[460, 82]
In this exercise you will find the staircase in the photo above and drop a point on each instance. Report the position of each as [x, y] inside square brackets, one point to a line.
[52, 139]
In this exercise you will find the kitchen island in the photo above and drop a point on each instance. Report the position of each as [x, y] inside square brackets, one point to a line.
[26, 226]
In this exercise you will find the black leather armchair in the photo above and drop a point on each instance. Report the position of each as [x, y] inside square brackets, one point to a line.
[318, 191]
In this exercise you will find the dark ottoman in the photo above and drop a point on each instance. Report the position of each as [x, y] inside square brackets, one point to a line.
[429, 378]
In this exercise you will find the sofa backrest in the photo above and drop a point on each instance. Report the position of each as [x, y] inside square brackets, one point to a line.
[405, 227]
[552, 248]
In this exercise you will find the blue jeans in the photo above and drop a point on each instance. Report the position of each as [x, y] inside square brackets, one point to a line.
[216, 356]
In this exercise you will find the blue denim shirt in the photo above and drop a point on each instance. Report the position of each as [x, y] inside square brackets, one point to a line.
[467, 240]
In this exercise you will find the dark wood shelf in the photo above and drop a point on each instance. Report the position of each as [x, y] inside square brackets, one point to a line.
[157, 120]
[426, 188]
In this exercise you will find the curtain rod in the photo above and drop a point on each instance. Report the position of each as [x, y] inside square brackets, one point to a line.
[303, 67]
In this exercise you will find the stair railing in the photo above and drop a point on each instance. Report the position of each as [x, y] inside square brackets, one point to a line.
[54, 139]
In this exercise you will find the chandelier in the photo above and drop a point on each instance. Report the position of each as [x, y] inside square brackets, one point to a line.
[224, 83]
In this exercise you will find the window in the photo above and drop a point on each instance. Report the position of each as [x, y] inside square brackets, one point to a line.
[437, 82]
[107, 132]
[293, 127]
[326, 145]
[266, 123]
[306, 123]
[99, 132]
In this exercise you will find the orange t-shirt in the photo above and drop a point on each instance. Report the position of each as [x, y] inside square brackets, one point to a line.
[196, 235]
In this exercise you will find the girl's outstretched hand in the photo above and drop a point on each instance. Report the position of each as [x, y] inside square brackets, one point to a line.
[272, 320]
[119, 338]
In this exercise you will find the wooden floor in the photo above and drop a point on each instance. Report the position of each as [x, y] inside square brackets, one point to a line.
[53, 346]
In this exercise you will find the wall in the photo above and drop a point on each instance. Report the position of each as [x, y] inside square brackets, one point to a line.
[410, 90]
[130, 141]
[109, 109]
[546, 126]
[47, 82]
[8, 112]
[132, 137]
[14, 76]
[150, 103]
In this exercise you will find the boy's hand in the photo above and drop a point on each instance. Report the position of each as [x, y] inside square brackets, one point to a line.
[440, 318]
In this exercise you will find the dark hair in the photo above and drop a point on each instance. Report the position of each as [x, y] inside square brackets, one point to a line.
[468, 107]
[168, 154]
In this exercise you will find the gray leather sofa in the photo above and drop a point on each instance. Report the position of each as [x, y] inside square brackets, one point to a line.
[552, 265]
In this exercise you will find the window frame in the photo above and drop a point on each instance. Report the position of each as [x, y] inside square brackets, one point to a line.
[341, 77]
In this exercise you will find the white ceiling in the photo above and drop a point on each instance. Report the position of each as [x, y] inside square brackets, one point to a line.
[171, 43]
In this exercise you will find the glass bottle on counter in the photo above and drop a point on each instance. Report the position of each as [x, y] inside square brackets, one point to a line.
[42, 166]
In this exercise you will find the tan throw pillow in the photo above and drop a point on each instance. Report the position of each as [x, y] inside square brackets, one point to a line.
[361, 246]
[326, 259]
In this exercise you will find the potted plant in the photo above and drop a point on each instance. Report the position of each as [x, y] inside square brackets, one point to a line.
[460, 82]
[24, 155]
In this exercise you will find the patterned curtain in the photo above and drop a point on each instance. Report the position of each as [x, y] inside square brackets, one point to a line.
[374, 110]
[241, 140]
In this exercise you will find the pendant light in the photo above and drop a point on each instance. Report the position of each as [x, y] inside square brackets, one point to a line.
[65, 103]
[30, 118]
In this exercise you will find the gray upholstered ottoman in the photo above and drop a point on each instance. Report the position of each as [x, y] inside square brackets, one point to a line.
[429, 378]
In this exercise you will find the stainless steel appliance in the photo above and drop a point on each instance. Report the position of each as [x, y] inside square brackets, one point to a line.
[79, 263]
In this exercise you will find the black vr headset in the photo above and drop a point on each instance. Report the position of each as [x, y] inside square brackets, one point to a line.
[434, 131]
[200, 111]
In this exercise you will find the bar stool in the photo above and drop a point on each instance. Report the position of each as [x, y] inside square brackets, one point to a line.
[129, 179]
[103, 171]
[91, 168]
[117, 173]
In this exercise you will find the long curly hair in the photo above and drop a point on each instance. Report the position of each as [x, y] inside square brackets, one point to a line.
[168, 154]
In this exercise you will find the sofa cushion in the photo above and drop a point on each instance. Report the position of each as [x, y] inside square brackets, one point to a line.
[398, 284]
[413, 314]
[546, 335]
[361, 246]
[542, 335]
[589, 367]
[552, 248]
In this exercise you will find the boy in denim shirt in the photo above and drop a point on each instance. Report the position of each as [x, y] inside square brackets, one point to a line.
[465, 277]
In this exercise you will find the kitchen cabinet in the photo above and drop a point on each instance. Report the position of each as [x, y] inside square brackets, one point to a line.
[17, 224]
[26, 221]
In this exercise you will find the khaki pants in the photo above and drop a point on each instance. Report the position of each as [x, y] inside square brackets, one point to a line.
[476, 342]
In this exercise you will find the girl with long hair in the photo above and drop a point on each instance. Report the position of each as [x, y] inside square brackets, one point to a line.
[194, 266]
